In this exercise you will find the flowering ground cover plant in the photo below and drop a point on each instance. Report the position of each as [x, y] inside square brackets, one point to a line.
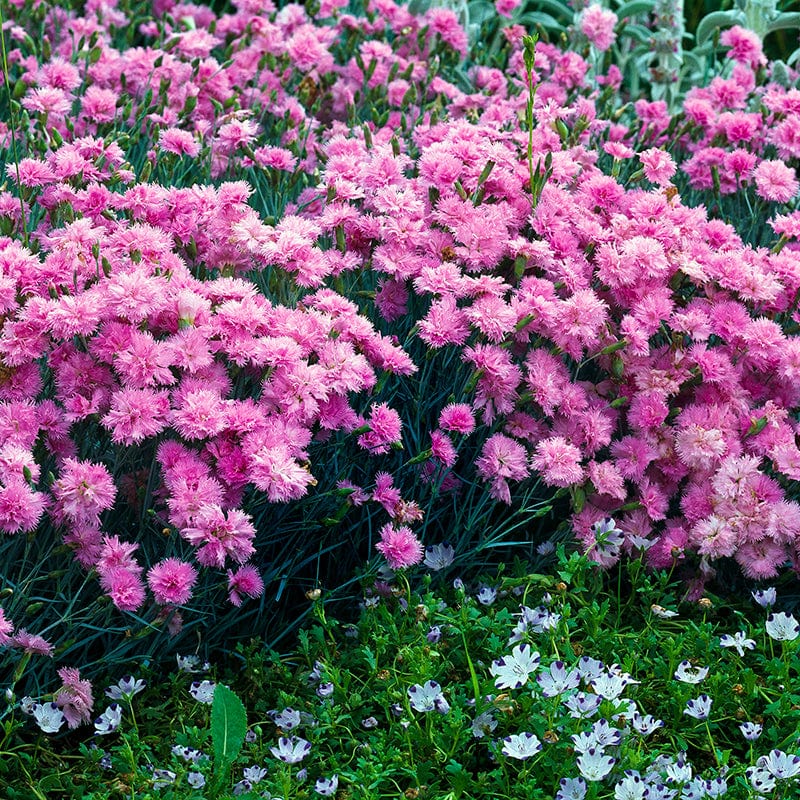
[555, 684]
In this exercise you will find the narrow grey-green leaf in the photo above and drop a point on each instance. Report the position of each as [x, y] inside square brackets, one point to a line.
[228, 725]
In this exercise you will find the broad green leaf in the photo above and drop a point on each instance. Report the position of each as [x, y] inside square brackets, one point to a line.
[784, 21]
[714, 20]
[228, 725]
[634, 7]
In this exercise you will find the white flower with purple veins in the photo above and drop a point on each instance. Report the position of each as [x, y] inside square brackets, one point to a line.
[327, 786]
[571, 789]
[751, 730]
[647, 724]
[780, 765]
[109, 720]
[126, 688]
[512, 672]
[203, 691]
[699, 708]
[782, 627]
[657, 791]
[163, 778]
[288, 719]
[486, 596]
[557, 680]
[716, 787]
[325, 689]
[369, 722]
[49, 717]
[291, 751]
[483, 724]
[608, 541]
[680, 770]
[428, 697]
[254, 774]
[589, 669]
[582, 705]
[610, 685]
[694, 790]
[760, 779]
[605, 735]
[739, 640]
[631, 787]
[535, 620]
[686, 673]
[439, 556]
[195, 780]
[594, 765]
[766, 598]
[521, 745]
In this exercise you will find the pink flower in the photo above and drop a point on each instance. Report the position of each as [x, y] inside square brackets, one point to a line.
[20, 507]
[178, 141]
[658, 165]
[171, 581]
[220, 535]
[506, 7]
[74, 698]
[245, 580]
[400, 547]
[124, 586]
[31, 643]
[597, 24]
[384, 429]
[775, 181]
[5, 628]
[745, 46]
[84, 490]
[502, 459]
[457, 418]
[136, 414]
[558, 461]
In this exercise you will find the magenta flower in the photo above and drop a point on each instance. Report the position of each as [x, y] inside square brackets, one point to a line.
[171, 581]
[400, 547]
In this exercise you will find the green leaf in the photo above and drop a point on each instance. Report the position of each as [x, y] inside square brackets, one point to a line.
[783, 21]
[714, 20]
[634, 7]
[228, 725]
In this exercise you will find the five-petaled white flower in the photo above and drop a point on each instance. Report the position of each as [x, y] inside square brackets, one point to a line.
[125, 688]
[699, 708]
[766, 598]
[291, 751]
[594, 764]
[428, 697]
[686, 673]
[49, 717]
[203, 691]
[521, 745]
[739, 640]
[782, 627]
[109, 720]
[512, 672]
[780, 765]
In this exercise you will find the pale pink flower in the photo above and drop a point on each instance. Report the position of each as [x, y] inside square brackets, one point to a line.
[597, 24]
[83, 490]
[32, 643]
[219, 535]
[658, 166]
[6, 627]
[171, 581]
[74, 698]
[400, 547]
[775, 181]
[385, 427]
[558, 461]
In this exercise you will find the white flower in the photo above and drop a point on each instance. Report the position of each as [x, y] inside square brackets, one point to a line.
[686, 673]
[254, 774]
[195, 780]
[486, 596]
[109, 720]
[760, 779]
[766, 598]
[49, 717]
[428, 697]
[521, 745]
[571, 789]
[739, 640]
[439, 556]
[126, 688]
[203, 691]
[191, 663]
[699, 708]
[609, 685]
[483, 724]
[594, 765]
[288, 718]
[631, 787]
[647, 724]
[291, 751]
[512, 672]
[163, 778]
[327, 786]
[780, 765]
[557, 680]
[782, 627]
[751, 730]
[662, 612]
